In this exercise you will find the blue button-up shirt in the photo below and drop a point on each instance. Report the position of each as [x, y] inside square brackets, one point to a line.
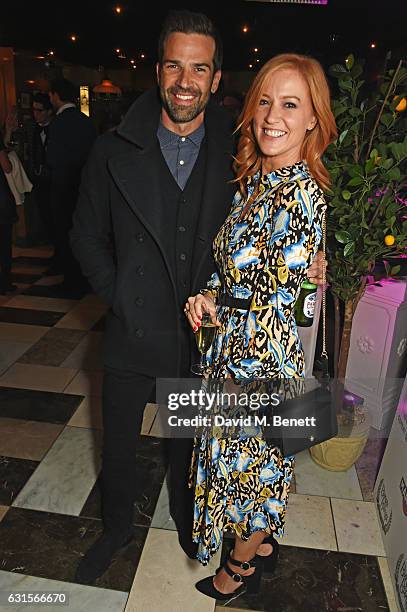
[180, 152]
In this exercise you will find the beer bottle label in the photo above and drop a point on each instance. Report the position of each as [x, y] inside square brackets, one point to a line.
[309, 305]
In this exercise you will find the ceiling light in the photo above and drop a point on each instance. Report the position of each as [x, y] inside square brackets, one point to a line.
[107, 87]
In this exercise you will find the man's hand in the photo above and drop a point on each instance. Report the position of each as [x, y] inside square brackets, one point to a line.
[316, 269]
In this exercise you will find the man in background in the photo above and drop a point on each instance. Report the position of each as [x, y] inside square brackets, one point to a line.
[36, 165]
[70, 138]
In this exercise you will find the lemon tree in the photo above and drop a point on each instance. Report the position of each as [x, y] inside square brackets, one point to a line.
[367, 211]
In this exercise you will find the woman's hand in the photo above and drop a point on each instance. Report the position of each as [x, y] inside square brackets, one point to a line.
[196, 306]
[316, 269]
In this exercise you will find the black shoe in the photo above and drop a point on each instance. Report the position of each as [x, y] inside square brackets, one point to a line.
[100, 555]
[268, 562]
[248, 584]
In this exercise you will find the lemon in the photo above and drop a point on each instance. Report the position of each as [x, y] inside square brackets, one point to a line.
[402, 105]
[389, 240]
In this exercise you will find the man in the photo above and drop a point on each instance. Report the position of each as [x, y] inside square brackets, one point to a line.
[70, 138]
[160, 184]
[36, 163]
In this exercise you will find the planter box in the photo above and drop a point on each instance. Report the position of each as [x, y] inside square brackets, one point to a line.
[378, 350]
[390, 497]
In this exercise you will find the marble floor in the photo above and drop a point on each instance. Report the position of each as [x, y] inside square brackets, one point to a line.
[332, 557]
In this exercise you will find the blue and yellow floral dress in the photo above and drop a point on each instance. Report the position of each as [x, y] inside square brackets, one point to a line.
[242, 483]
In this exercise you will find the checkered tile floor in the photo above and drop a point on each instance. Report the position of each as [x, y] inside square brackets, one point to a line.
[50, 434]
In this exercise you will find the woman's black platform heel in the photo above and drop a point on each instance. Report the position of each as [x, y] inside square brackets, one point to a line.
[269, 561]
[249, 584]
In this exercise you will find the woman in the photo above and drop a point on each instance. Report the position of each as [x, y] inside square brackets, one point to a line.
[8, 216]
[262, 252]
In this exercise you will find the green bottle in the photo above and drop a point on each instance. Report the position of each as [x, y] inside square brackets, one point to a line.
[305, 305]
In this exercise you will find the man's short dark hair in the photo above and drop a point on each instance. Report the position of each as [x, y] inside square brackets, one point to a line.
[43, 98]
[187, 22]
[65, 89]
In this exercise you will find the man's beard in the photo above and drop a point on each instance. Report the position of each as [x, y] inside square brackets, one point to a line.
[183, 114]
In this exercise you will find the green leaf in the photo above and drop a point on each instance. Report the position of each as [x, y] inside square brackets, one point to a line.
[343, 236]
[357, 180]
[346, 194]
[342, 136]
[355, 112]
[387, 163]
[395, 174]
[350, 60]
[355, 171]
[349, 249]
[397, 149]
[384, 87]
[386, 119]
[339, 110]
[345, 84]
[356, 71]
[337, 68]
[395, 270]
[369, 165]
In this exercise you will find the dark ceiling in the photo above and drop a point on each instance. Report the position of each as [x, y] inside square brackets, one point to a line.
[327, 32]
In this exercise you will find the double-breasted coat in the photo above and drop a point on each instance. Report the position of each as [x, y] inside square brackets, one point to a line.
[119, 236]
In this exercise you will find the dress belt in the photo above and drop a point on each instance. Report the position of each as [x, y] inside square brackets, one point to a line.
[233, 302]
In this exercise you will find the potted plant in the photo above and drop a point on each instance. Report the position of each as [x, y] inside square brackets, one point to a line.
[367, 212]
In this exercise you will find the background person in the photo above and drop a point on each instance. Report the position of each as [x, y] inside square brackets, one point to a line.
[71, 136]
[37, 168]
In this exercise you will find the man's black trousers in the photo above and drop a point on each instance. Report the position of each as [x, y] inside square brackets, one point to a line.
[125, 395]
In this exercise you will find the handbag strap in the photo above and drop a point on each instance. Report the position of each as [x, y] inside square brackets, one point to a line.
[324, 353]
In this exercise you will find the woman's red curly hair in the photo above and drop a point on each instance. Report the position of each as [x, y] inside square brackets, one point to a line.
[248, 158]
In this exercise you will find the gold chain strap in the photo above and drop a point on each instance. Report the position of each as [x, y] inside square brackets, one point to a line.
[324, 352]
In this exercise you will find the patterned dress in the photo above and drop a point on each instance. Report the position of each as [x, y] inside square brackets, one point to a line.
[242, 483]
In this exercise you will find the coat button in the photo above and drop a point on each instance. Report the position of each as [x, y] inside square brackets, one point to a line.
[140, 270]
[140, 333]
[183, 257]
[140, 237]
[181, 228]
[139, 301]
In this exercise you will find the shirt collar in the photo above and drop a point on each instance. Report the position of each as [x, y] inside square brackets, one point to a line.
[64, 107]
[168, 138]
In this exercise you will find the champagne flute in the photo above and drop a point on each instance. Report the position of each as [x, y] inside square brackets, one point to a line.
[204, 337]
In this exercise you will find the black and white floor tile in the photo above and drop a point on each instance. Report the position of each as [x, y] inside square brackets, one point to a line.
[332, 557]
